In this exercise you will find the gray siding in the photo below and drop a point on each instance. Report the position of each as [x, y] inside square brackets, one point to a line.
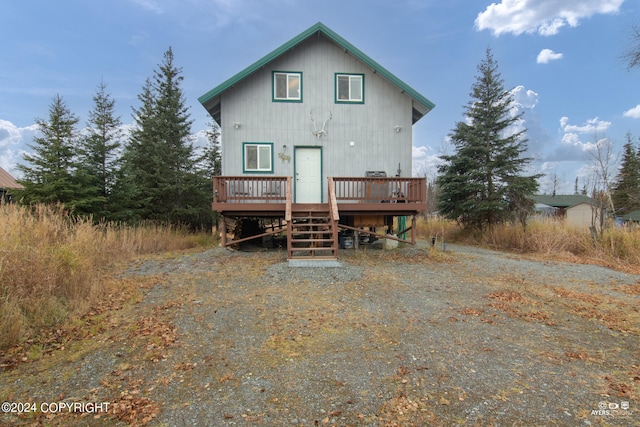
[371, 126]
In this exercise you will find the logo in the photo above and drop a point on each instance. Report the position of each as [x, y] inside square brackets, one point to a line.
[613, 409]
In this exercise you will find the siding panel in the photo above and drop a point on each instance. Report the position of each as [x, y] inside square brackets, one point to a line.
[371, 126]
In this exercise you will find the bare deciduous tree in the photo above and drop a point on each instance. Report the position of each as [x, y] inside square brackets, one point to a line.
[632, 55]
[604, 162]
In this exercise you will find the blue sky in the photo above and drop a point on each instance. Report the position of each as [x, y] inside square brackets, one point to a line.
[561, 57]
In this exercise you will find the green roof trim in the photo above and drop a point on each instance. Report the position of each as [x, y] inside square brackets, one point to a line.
[563, 201]
[337, 39]
[632, 216]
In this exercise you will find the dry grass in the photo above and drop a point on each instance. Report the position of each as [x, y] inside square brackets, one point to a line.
[617, 247]
[52, 264]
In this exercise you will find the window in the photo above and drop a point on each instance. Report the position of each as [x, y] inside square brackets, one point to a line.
[258, 157]
[287, 86]
[350, 88]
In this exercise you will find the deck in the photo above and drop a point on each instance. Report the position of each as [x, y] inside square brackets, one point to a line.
[269, 196]
[355, 205]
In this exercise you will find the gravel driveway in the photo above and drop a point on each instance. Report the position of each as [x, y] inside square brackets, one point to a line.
[390, 338]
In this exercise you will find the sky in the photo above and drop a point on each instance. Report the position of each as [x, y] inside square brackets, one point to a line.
[561, 58]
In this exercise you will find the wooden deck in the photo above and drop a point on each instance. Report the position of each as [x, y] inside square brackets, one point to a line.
[312, 228]
[267, 196]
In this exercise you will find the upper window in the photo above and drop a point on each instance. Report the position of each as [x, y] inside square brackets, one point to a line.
[287, 86]
[258, 157]
[350, 88]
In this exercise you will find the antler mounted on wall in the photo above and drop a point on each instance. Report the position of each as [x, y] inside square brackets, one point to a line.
[321, 132]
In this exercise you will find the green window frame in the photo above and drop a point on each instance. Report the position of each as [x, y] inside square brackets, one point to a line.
[286, 86]
[257, 157]
[349, 88]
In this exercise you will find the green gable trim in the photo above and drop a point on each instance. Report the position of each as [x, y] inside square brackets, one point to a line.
[348, 47]
[563, 201]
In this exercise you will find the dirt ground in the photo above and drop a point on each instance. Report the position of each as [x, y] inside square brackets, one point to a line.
[407, 337]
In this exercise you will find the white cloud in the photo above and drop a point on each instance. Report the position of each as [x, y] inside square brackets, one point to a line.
[573, 147]
[13, 144]
[592, 126]
[634, 113]
[150, 5]
[547, 55]
[545, 17]
[425, 162]
[523, 104]
[524, 98]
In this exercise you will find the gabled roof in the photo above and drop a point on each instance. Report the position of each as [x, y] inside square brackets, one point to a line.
[7, 181]
[563, 201]
[211, 99]
[632, 216]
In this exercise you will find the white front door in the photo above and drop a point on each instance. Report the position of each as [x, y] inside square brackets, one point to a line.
[308, 179]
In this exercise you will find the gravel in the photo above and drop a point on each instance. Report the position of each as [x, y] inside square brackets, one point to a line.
[405, 337]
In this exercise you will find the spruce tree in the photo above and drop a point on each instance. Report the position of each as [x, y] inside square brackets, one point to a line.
[626, 190]
[210, 162]
[99, 156]
[210, 165]
[49, 173]
[482, 183]
[160, 159]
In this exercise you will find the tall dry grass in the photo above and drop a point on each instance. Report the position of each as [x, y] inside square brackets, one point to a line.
[53, 265]
[440, 228]
[617, 247]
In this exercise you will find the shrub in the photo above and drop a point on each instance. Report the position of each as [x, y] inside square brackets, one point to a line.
[52, 264]
[618, 246]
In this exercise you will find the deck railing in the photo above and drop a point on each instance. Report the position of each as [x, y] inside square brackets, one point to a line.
[380, 190]
[274, 189]
[250, 189]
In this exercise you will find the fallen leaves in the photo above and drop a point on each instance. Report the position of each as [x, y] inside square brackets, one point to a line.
[225, 378]
[133, 409]
[516, 306]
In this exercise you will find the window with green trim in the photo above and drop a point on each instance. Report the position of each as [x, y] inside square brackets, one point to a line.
[258, 157]
[287, 86]
[350, 88]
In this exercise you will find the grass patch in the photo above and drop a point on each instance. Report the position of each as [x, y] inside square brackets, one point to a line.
[54, 266]
[616, 247]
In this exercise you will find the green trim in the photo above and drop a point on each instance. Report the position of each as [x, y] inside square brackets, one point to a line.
[273, 86]
[346, 101]
[295, 181]
[244, 164]
[318, 28]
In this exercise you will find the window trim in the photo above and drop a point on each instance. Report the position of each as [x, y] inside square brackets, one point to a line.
[244, 157]
[349, 101]
[273, 85]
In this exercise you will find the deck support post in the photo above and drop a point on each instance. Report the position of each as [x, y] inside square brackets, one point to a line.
[223, 231]
[413, 230]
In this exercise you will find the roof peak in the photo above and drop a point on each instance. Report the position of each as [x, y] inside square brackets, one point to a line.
[209, 101]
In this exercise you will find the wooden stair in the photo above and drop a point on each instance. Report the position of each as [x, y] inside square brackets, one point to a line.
[312, 235]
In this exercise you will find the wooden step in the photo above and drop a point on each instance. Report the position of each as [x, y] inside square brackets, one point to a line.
[311, 236]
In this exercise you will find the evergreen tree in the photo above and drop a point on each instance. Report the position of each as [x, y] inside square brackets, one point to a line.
[160, 160]
[210, 162]
[626, 190]
[48, 176]
[210, 165]
[99, 156]
[482, 183]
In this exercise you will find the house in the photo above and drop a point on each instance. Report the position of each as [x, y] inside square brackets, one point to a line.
[579, 210]
[317, 135]
[7, 183]
[632, 218]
